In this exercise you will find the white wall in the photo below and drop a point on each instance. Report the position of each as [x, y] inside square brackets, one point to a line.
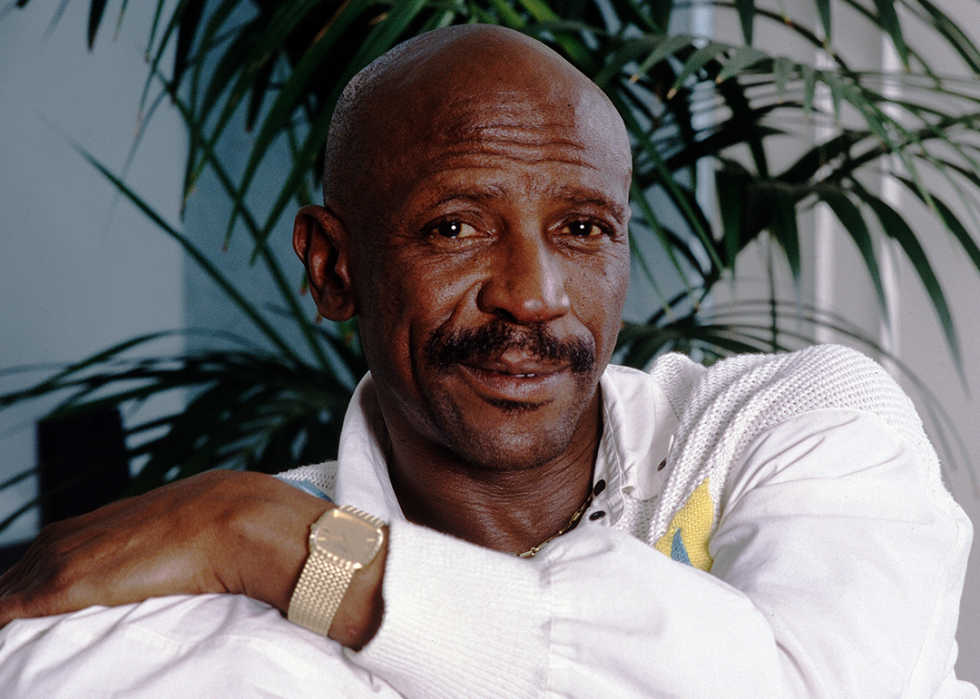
[79, 270]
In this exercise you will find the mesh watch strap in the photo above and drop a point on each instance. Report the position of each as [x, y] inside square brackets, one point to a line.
[326, 575]
[318, 593]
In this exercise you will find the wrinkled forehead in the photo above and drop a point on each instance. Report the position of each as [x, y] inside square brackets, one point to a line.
[528, 125]
[514, 88]
[470, 89]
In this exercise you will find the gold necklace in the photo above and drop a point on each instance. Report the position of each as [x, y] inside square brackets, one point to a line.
[572, 523]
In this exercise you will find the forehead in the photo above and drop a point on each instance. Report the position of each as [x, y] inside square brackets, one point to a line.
[522, 118]
[566, 146]
[466, 100]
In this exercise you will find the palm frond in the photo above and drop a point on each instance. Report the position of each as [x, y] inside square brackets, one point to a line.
[700, 110]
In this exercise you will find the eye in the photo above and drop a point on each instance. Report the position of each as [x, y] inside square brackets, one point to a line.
[453, 229]
[584, 229]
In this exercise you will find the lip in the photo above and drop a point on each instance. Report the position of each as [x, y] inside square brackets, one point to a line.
[525, 382]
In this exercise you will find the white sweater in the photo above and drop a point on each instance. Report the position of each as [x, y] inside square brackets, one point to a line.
[802, 482]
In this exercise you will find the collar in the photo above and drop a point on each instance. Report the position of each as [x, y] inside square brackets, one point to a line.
[362, 469]
[638, 427]
[637, 431]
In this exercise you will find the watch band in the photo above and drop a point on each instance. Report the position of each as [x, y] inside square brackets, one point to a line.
[327, 574]
[319, 592]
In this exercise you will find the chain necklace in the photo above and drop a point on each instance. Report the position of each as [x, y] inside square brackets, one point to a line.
[572, 523]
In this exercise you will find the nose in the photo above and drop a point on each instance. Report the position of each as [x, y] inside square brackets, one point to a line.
[527, 281]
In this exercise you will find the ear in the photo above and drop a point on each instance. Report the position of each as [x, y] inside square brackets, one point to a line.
[321, 241]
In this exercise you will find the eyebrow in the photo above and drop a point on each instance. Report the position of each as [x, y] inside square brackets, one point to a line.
[480, 193]
[573, 194]
[577, 194]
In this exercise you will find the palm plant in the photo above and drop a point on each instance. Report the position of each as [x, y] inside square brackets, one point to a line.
[697, 108]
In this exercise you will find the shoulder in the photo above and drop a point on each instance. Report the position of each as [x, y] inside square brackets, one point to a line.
[737, 398]
[725, 408]
[784, 385]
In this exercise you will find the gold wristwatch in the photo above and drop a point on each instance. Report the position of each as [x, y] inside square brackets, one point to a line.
[343, 540]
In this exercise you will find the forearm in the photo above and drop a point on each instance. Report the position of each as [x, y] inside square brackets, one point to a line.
[223, 531]
[598, 613]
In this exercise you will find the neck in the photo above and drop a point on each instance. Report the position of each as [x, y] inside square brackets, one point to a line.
[506, 510]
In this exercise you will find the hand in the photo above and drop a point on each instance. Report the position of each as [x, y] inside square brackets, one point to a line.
[221, 531]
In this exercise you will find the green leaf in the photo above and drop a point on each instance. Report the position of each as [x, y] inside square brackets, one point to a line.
[282, 108]
[190, 18]
[272, 265]
[671, 186]
[888, 18]
[251, 50]
[739, 61]
[783, 70]
[731, 191]
[230, 290]
[696, 62]
[959, 231]
[953, 35]
[823, 9]
[172, 26]
[17, 478]
[663, 47]
[784, 226]
[895, 227]
[850, 217]
[650, 218]
[746, 17]
[809, 88]
[95, 14]
[122, 12]
[56, 383]
[950, 220]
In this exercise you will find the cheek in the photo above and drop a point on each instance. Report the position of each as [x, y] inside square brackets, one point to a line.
[440, 287]
[598, 293]
[410, 300]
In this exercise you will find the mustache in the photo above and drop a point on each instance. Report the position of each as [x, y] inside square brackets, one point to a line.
[449, 348]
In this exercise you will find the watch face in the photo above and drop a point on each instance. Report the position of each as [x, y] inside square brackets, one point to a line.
[347, 537]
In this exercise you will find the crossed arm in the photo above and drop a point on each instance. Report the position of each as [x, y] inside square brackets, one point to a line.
[224, 531]
[833, 576]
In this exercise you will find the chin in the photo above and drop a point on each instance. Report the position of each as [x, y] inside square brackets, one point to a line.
[494, 434]
[516, 443]
[510, 455]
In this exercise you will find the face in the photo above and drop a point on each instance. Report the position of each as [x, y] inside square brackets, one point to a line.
[488, 257]
[490, 280]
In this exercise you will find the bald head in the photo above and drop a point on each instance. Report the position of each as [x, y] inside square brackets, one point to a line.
[460, 83]
[476, 223]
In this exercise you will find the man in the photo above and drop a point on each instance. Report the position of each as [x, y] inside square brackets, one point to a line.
[551, 521]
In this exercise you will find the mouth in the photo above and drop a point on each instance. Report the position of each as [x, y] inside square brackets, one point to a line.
[512, 367]
[503, 383]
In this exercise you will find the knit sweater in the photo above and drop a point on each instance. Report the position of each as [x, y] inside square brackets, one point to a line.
[800, 480]
[720, 412]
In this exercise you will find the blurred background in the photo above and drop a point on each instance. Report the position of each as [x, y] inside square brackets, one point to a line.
[84, 268]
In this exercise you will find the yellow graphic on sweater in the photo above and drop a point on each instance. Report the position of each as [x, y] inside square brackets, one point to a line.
[686, 539]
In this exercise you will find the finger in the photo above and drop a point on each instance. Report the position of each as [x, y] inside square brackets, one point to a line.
[14, 578]
[28, 592]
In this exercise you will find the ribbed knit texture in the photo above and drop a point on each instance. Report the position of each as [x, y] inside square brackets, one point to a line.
[508, 623]
[443, 645]
[323, 476]
[725, 408]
